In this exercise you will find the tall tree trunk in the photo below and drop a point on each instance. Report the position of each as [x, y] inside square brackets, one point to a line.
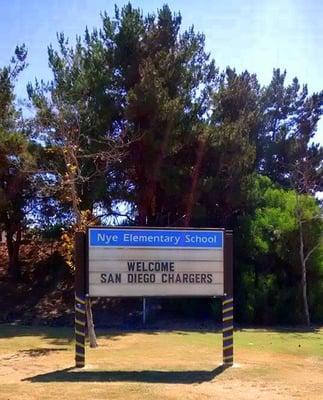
[149, 180]
[13, 247]
[78, 217]
[90, 324]
[304, 277]
[194, 182]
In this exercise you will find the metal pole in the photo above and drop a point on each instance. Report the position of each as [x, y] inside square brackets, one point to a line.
[144, 311]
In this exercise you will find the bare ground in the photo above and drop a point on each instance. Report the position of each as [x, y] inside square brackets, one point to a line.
[168, 365]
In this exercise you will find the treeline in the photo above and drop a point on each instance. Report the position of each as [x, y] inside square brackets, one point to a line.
[138, 123]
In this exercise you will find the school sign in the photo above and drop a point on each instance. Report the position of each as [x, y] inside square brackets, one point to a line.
[153, 262]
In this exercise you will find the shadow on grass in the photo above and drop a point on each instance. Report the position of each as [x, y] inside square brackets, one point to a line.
[38, 352]
[151, 376]
[58, 336]
[297, 330]
[17, 330]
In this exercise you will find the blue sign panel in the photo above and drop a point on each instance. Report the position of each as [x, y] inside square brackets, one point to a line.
[165, 238]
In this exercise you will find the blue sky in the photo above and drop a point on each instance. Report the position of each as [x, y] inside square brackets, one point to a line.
[257, 35]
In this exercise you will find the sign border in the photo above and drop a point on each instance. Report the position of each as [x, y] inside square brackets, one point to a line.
[225, 259]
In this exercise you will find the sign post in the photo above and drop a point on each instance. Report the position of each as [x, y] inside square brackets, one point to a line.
[227, 301]
[80, 299]
[154, 262]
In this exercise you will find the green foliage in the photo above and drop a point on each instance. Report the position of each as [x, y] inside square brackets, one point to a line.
[276, 218]
[8, 76]
[316, 284]
[17, 162]
[270, 244]
[230, 157]
[286, 148]
[167, 84]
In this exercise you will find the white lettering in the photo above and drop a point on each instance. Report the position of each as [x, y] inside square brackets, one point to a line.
[200, 239]
[103, 237]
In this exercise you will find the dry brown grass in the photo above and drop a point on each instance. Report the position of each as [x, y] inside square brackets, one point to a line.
[38, 364]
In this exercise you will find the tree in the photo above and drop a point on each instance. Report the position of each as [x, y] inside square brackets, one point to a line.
[17, 162]
[282, 235]
[292, 158]
[288, 132]
[230, 152]
[135, 81]
[81, 141]
[306, 179]
[165, 77]
[305, 213]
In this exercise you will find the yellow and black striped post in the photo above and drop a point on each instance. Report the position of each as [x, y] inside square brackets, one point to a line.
[227, 301]
[79, 331]
[80, 310]
[227, 318]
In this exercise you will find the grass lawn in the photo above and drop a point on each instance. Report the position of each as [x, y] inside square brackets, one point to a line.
[37, 363]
